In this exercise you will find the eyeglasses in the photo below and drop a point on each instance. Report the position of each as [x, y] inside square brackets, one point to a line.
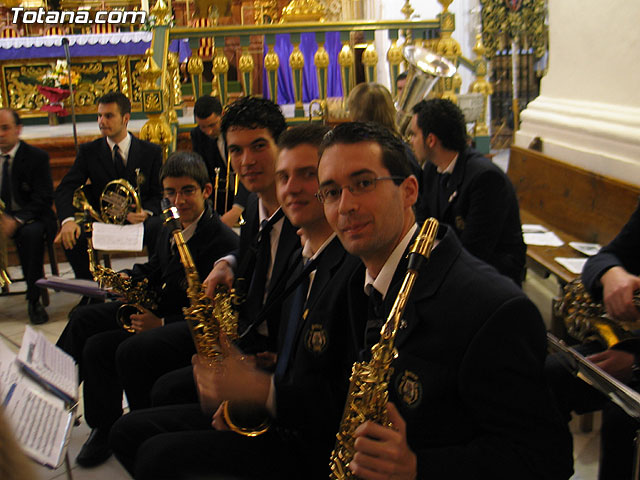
[185, 192]
[359, 186]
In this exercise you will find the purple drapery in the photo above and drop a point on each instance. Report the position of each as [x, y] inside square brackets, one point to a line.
[308, 47]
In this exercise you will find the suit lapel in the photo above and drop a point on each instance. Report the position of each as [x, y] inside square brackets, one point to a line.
[106, 159]
[133, 160]
[287, 243]
[457, 177]
[16, 173]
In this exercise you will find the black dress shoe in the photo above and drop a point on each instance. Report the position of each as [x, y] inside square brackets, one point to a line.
[37, 313]
[95, 450]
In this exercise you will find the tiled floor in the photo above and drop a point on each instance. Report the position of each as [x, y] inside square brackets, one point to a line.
[13, 319]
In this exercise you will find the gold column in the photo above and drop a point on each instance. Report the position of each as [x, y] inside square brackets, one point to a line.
[296, 62]
[450, 49]
[156, 130]
[481, 85]
[195, 67]
[394, 58]
[370, 61]
[176, 88]
[123, 73]
[245, 66]
[346, 61]
[321, 62]
[220, 68]
[271, 65]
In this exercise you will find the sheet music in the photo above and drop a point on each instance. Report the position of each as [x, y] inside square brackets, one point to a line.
[47, 362]
[9, 371]
[549, 239]
[125, 238]
[41, 421]
[574, 265]
[533, 228]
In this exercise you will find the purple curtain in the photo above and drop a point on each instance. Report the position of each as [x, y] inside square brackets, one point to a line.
[308, 46]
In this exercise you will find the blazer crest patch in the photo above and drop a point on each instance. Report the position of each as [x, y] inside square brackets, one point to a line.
[317, 339]
[460, 223]
[409, 388]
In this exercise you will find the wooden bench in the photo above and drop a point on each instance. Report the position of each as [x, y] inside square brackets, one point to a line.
[576, 204]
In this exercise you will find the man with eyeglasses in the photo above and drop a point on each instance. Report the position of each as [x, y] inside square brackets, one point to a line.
[468, 397]
[93, 335]
[465, 190]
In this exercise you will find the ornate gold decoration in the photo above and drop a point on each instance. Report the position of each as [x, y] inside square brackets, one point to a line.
[504, 22]
[449, 48]
[296, 62]
[156, 130]
[195, 65]
[220, 67]
[303, 11]
[271, 65]
[245, 66]
[445, 4]
[394, 58]
[162, 12]
[265, 11]
[481, 85]
[174, 68]
[124, 75]
[370, 60]
[346, 60]
[321, 61]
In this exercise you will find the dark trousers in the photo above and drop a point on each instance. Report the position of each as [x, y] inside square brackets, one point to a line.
[178, 442]
[145, 357]
[30, 240]
[175, 388]
[79, 259]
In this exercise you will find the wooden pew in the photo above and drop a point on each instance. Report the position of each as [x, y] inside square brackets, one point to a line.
[576, 204]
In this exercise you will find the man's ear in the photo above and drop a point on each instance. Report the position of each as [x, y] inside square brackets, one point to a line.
[410, 189]
[207, 190]
[125, 118]
[431, 140]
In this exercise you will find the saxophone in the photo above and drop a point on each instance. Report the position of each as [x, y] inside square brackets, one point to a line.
[586, 319]
[208, 318]
[5, 281]
[369, 383]
[136, 295]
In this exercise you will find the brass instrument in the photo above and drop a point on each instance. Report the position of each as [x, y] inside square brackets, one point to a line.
[216, 186]
[241, 220]
[118, 198]
[137, 295]
[586, 319]
[425, 69]
[368, 390]
[322, 110]
[208, 318]
[4, 260]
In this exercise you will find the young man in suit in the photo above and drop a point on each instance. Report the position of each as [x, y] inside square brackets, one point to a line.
[93, 335]
[310, 376]
[466, 190]
[117, 155]
[468, 398]
[27, 193]
[251, 127]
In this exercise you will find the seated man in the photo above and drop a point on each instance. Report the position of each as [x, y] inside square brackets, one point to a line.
[311, 373]
[27, 194]
[117, 155]
[468, 398]
[207, 141]
[93, 335]
[466, 190]
[613, 277]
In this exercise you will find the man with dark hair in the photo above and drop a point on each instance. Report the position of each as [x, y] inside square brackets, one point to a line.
[259, 267]
[311, 373]
[401, 81]
[467, 394]
[93, 336]
[118, 155]
[27, 193]
[466, 190]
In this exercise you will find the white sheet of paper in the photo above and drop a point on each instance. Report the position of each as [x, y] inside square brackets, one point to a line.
[8, 369]
[588, 249]
[533, 228]
[124, 238]
[574, 265]
[548, 239]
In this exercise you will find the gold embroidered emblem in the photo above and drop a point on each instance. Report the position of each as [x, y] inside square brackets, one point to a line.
[316, 341]
[459, 223]
[409, 388]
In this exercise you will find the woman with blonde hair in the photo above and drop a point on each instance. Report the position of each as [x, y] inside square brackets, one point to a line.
[372, 102]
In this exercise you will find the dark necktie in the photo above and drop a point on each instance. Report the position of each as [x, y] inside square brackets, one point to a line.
[375, 320]
[5, 190]
[257, 287]
[296, 316]
[118, 161]
[443, 192]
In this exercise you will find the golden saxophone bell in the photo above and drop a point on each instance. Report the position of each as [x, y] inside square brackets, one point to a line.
[4, 259]
[245, 419]
[124, 315]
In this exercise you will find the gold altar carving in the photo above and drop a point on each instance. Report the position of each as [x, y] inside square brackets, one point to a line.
[523, 22]
[157, 129]
[303, 11]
